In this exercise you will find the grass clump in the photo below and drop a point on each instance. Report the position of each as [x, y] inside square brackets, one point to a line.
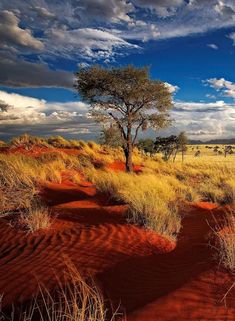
[77, 300]
[226, 242]
[28, 142]
[152, 202]
[36, 217]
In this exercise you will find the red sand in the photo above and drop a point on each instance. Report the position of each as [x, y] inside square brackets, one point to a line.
[120, 166]
[153, 279]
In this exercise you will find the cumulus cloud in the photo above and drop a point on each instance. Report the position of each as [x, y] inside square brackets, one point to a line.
[24, 109]
[39, 117]
[163, 8]
[114, 11]
[204, 120]
[172, 89]
[11, 33]
[225, 87]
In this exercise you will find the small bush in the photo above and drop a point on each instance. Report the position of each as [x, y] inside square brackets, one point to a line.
[36, 217]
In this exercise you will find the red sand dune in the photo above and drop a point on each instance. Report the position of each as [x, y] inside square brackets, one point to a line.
[153, 279]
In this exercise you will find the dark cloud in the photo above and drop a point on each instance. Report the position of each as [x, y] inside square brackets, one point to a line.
[11, 33]
[19, 73]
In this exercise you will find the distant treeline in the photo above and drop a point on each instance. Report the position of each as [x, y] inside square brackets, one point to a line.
[225, 141]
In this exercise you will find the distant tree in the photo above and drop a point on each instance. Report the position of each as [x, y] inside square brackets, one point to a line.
[216, 149]
[167, 145]
[128, 97]
[228, 150]
[111, 136]
[147, 145]
[171, 145]
[182, 144]
[197, 154]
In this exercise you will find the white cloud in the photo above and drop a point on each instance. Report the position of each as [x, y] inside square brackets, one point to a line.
[226, 87]
[43, 12]
[29, 110]
[212, 46]
[232, 37]
[87, 42]
[172, 89]
[11, 33]
[163, 8]
[204, 120]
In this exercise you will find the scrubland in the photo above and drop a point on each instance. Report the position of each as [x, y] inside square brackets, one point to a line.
[154, 194]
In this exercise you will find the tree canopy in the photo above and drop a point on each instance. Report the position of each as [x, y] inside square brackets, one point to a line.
[128, 97]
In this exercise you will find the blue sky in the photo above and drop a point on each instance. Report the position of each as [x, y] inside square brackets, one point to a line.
[190, 45]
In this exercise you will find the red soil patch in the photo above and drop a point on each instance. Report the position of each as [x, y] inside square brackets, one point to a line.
[120, 166]
[153, 279]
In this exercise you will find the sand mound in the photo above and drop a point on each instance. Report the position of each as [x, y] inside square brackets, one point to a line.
[152, 278]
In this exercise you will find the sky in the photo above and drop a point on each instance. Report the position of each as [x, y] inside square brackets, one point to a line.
[188, 44]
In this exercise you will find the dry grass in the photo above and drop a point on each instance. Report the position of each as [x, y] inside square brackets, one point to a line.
[36, 217]
[78, 300]
[226, 241]
[152, 202]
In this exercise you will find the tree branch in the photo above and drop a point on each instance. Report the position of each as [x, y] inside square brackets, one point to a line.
[119, 125]
[137, 130]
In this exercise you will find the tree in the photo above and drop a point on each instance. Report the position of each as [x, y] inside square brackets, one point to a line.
[111, 136]
[128, 97]
[182, 144]
[167, 145]
[171, 145]
[147, 145]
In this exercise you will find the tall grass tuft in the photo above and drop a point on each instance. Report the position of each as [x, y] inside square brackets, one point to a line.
[226, 241]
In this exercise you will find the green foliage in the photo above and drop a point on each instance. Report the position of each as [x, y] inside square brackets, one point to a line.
[147, 145]
[127, 97]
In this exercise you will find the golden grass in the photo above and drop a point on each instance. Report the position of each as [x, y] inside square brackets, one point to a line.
[152, 202]
[225, 235]
[77, 300]
[36, 217]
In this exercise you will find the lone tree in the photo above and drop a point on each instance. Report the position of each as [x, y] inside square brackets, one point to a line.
[127, 97]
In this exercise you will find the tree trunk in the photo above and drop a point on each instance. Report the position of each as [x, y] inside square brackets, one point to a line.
[128, 150]
[128, 155]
